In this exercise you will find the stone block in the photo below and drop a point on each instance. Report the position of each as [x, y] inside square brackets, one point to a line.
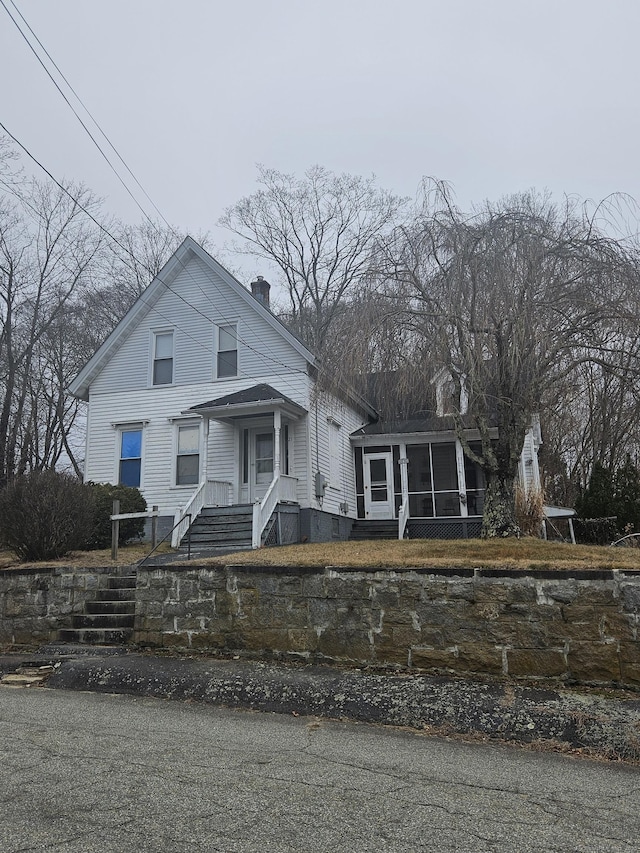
[538, 663]
[630, 594]
[479, 657]
[630, 652]
[630, 674]
[594, 661]
[302, 640]
[564, 592]
[596, 594]
[424, 657]
[267, 639]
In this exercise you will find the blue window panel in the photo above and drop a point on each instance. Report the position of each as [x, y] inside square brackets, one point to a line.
[130, 472]
[131, 444]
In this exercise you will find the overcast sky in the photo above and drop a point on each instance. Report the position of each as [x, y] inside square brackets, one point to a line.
[494, 96]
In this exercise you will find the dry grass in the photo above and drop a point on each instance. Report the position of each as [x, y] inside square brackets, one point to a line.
[127, 555]
[524, 553]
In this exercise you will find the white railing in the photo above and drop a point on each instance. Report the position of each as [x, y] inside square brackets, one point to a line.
[218, 493]
[192, 508]
[403, 517]
[288, 488]
[262, 512]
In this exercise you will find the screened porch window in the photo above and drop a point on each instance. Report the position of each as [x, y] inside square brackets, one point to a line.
[130, 464]
[188, 456]
[475, 480]
[433, 480]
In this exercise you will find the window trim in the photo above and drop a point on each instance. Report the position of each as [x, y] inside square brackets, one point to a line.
[120, 429]
[155, 334]
[179, 423]
[225, 325]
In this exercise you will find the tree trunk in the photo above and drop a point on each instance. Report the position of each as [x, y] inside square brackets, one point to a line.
[499, 517]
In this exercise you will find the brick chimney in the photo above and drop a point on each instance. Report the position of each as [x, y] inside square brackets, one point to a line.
[260, 290]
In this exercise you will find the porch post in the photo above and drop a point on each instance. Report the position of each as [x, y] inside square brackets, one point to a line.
[205, 450]
[276, 442]
[404, 478]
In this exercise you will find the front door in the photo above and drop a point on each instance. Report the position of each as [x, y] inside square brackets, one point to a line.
[378, 485]
[257, 462]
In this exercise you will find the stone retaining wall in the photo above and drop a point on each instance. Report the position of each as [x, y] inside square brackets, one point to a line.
[574, 626]
[578, 627]
[36, 603]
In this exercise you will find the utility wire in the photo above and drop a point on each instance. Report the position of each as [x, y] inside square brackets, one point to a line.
[115, 171]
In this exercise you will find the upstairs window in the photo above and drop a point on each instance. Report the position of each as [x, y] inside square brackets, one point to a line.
[188, 456]
[227, 351]
[163, 358]
[130, 457]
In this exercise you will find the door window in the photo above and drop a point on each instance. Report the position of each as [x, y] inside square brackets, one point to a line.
[264, 457]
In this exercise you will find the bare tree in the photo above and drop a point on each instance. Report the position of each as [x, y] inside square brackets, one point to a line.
[48, 247]
[319, 232]
[512, 298]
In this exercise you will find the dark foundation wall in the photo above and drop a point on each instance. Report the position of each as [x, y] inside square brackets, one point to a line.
[318, 526]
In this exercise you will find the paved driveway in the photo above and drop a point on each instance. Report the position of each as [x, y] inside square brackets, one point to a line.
[83, 772]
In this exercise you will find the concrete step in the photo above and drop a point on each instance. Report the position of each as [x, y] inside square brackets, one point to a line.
[222, 524]
[126, 594]
[95, 636]
[105, 607]
[103, 621]
[237, 509]
[220, 535]
[124, 582]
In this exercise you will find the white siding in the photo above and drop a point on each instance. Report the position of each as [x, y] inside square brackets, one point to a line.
[332, 411]
[156, 408]
[198, 300]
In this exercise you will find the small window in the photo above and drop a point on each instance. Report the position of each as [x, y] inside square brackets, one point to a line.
[227, 351]
[163, 358]
[130, 457]
[188, 457]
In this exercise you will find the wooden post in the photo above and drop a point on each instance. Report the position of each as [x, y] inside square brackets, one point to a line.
[154, 528]
[115, 531]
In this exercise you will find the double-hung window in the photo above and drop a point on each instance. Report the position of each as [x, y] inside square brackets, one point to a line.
[188, 455]
[130, 464]
[227, 356]
[163, 358]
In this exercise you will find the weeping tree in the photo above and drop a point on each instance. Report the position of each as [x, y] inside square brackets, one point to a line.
[511, 299]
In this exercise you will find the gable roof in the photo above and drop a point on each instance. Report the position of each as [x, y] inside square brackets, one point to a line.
[79, 387]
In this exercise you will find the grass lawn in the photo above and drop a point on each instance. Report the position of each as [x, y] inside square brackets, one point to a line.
[522, 554]
[526, 553]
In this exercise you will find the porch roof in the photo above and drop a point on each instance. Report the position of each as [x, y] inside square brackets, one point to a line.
[429, 423]
[257, 400]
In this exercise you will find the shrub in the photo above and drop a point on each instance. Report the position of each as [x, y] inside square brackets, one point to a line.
[104, 494]
[595, 531]
[45, 514]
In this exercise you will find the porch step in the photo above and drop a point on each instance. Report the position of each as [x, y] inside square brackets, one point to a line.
[108, 618]
[225, 528]
[364, 529]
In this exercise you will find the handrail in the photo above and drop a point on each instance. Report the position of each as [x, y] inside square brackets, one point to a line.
[262, 512]
[403, 517]
[166, 536]
[191, 508]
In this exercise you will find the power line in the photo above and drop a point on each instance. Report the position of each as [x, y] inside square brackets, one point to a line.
[93, 139]
[130, 253]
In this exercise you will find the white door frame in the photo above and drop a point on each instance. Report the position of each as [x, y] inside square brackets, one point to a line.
[379, 501]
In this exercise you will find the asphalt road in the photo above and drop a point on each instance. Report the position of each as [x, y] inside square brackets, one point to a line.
[83, 772]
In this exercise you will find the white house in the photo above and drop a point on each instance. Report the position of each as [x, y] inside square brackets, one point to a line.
[205, 401]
